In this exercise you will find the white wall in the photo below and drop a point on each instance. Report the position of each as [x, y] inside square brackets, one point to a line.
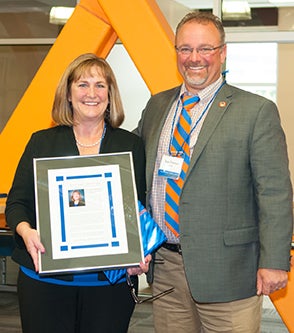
[133, 89]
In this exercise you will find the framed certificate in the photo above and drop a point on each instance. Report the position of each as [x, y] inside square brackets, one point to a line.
[87, 213]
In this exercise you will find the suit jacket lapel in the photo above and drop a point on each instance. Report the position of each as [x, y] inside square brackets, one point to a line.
[154, 132]
[214, 116]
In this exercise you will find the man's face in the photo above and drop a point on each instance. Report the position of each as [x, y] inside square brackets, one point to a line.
[199, 71]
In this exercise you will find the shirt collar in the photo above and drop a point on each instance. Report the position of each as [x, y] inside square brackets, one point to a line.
[206, 93]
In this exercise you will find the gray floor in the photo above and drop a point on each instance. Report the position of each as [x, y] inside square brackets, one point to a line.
[141, 321]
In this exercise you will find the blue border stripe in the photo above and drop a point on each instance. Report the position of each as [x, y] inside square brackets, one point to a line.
[88, 246]
[83, 177]
[111, 209]
[62, 219]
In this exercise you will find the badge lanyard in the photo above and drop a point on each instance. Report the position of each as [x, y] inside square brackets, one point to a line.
[102, 137]
[197, 121]
[171, 165]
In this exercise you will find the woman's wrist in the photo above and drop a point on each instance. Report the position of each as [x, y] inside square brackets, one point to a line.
[22, 227]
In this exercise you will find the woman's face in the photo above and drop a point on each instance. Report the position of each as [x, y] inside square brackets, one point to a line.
[76, 196]
[89, 97]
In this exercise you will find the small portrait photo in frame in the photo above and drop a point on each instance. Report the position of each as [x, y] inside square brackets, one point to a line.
[76, 198]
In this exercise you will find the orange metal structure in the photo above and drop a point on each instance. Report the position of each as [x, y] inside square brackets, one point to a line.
[93, 27]
[88, 30]
[284, 300]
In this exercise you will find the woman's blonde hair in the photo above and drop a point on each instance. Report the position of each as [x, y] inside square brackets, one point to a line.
[62, 112]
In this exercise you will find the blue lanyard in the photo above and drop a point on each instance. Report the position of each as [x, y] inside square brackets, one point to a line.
[197, 121]
[102, 137]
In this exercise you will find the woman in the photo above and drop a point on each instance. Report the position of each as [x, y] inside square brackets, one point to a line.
[76, 199]
[88, 111]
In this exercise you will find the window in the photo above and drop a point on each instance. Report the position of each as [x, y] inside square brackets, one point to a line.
[253, 67]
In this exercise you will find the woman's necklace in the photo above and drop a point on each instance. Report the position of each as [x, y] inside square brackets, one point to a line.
[84, 145]
[90, 145]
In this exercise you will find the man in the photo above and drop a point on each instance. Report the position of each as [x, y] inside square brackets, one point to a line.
[229, 232]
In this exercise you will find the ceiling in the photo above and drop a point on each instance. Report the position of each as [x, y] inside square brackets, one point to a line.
[18, 5]
[15, 6]
[173, 10]
[204, 4]
[26, 3]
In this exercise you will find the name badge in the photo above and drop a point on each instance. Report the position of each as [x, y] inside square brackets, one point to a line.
[170, 166]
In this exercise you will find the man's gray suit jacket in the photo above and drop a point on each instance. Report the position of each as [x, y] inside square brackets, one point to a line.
[236, 204]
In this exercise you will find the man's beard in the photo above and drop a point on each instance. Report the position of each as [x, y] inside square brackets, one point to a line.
[193, 80]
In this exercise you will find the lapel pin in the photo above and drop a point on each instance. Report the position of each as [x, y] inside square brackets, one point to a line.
[222, 104]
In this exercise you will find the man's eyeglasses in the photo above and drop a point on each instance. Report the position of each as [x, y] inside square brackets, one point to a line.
[137, 300]
[204, 51]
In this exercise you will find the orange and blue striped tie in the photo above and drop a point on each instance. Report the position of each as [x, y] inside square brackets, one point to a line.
[179, 146]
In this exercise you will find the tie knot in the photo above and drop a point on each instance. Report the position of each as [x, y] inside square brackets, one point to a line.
[189, 101]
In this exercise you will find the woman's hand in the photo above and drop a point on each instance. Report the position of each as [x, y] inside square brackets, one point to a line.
[144, 266]
[32, 241]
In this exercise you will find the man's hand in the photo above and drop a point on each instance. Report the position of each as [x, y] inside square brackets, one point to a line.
[270, 280]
